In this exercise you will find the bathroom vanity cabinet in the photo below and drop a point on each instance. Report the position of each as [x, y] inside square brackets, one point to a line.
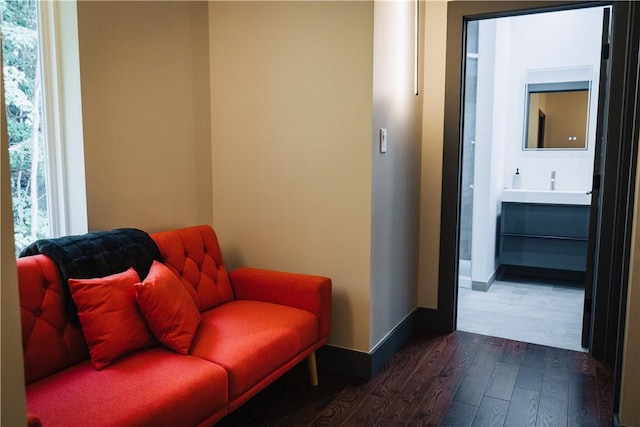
[552, 236]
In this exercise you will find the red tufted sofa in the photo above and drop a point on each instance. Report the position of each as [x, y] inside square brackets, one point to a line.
[255, 325]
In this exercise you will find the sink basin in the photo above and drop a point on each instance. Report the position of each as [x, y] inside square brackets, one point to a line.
[560, 197]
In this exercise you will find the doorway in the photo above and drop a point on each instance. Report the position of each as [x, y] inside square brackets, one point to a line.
[528, 142]
[613, 184]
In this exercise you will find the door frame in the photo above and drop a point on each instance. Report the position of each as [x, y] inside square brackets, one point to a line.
[618, 187]
[458, 13]
[610, 302]
[598, 167]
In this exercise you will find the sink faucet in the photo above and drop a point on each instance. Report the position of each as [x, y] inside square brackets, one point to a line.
[553, 180]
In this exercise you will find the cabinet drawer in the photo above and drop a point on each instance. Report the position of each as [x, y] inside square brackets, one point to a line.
[539, 252]
[535, 219]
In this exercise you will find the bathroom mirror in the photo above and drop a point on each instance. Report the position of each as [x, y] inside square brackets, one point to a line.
[556, 116]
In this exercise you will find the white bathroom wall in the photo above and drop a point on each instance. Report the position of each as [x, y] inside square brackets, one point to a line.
[493, 50]
[553, 43]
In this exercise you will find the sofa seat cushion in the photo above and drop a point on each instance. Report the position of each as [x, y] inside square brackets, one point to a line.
[155, 387]
[252, 339]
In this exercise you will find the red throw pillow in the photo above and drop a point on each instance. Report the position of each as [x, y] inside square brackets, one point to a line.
[170, 311]
[110, 318]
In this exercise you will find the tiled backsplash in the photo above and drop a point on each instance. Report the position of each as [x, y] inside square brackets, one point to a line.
[574, 169]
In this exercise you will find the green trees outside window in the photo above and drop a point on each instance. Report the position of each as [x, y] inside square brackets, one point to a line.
[23, 97]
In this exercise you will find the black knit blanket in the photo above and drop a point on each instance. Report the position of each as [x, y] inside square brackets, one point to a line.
[96, 254]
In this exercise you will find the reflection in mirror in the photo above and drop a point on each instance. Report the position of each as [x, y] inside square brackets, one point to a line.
[556, 116]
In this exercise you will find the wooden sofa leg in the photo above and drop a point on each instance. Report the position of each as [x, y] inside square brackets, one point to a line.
[313, 369]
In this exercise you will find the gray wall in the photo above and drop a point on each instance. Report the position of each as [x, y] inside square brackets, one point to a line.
[396, 173]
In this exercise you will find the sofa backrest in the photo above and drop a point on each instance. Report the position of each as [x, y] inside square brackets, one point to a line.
[50, 343]
[193, 254]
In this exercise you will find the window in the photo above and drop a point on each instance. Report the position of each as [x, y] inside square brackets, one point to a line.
[23, 95]
[44, 121]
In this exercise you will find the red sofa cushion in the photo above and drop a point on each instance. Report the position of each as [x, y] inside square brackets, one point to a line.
[251, 339]
[168, 308]
[111, 320]
[156, 387]
[193, 254]
[50, 343]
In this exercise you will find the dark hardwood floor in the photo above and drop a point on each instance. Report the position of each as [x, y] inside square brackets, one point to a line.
[457, 379]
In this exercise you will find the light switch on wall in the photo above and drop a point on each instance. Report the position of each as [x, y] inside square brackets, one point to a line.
[383, 140]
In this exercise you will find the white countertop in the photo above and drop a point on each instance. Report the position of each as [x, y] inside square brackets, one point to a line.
[561, 197]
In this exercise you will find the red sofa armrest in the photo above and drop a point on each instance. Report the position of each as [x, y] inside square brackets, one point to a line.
[311, 293]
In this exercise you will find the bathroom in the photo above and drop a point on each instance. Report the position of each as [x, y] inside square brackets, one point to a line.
[512, 159]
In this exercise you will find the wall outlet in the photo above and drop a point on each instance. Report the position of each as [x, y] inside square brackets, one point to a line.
[383, 140]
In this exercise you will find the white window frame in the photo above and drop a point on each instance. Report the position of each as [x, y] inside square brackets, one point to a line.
[62, 117]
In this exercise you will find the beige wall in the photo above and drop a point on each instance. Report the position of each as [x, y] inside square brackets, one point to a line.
[566, 115]
[291, 108]
[630, 393]
[145, 90]
[435, 47]
[12, 397]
